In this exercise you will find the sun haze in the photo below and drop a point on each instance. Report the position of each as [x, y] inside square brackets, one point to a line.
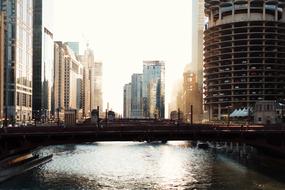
[123, 33]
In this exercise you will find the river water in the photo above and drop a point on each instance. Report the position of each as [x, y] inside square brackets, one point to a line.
[130, 165]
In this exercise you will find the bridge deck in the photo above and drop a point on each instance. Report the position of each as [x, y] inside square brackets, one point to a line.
[18, 138]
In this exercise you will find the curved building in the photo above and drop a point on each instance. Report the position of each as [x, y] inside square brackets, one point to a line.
[244, 54]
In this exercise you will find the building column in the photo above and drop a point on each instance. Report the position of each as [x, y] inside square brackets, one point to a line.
[233, 11]
[219, 112]
[210, 112]
[283, 14]
[248, 10]
[276, 12]
[264, 11]
[212, 17]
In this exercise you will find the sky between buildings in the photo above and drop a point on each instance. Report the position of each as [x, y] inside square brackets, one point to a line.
[123, 33]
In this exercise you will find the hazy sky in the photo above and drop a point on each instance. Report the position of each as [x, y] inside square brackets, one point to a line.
[123, 33]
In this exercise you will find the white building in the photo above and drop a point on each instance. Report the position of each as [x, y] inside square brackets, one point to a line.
[68, 79]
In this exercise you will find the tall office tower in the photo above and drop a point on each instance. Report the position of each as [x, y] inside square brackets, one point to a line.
[74, 46]
[43, 60]
[73, 80]
[191, 95]
[2, 27]
[198, 20]
[59, 72]
[96, 86]
[127, 100]
[86, 85]
[18, 59]
[244, 54]
[136, 104]
[68, 79]
[153, 89]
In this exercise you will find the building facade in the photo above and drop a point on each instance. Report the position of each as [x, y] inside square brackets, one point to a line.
[268, 112]
[18, 50]
[137, 99]
[73, 80]
[86, 85]
[43, 61]
[153, 89]
[74, 46]
[244, 54]
[2, 41]
[59, 74]
[127, 100]
[68, 80]
[96, 86]
[191, 96]
[198, 22]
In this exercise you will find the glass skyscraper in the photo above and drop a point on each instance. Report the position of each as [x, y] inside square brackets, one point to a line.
[153, 89]
[43, 61]
[136, 104]
[74, 46]
[18, 58]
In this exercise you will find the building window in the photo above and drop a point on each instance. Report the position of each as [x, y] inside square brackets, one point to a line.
[259, 119]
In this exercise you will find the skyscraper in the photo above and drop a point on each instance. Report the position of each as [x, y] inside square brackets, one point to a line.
[73, 80]
[68, 79]
[43, 60]
[86, 86]
[18, 59]
[198, 20]
[127, 100]
[59, 77]
[74, 46]
[244, 54]
[96, 86]
[1, 66]
[153, 89]
[136, 104]
[191, 95]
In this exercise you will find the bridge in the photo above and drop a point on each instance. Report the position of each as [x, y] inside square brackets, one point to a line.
[17, 139]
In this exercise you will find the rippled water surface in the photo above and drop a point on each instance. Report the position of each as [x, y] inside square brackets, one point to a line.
[129, 165]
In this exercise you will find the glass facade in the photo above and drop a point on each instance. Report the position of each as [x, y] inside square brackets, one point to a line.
[18, 58]
[137, 111]
[43, 63]
[74, 46]
[153, 89]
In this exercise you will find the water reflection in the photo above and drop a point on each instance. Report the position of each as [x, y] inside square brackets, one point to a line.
[128, 165]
